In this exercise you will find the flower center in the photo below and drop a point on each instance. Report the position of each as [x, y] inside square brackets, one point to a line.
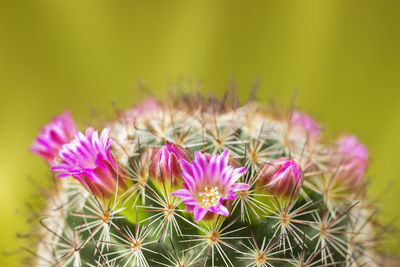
[209, 197]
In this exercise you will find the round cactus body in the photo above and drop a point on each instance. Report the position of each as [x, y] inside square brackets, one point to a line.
[204, 182]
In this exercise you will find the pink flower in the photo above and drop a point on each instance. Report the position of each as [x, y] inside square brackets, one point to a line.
[53, 136]
[88, 159]
[144, 109]
[306, 123]
[209, 182]
[283, 177]
[352, 160]
[351, 148]
[165, 162]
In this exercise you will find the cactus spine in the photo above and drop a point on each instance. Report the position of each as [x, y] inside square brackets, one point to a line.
[270, 192]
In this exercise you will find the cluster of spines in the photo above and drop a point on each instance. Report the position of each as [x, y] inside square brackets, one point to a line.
[144, 225]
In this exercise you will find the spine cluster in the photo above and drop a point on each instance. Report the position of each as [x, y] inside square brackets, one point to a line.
[204, 182]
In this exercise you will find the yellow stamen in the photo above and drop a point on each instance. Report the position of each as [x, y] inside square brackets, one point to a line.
[209, 197]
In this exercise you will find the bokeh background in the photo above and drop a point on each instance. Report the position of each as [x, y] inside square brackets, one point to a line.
[343, 57]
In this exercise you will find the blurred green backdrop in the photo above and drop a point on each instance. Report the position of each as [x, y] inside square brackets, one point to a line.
[342, 56]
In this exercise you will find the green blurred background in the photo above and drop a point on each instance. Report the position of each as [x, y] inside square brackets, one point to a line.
[342, 56]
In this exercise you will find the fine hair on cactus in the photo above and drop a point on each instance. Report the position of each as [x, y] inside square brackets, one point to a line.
[201, 181]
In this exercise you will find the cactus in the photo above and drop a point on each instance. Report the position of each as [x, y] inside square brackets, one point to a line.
[199, 181]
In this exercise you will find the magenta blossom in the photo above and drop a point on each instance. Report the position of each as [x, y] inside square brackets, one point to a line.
[306, 123]
[352, 160]
[165, 162]
[350, 147]
[53, 136]
[283, 177]
[88, 159]
[143, 109]
[209, 182]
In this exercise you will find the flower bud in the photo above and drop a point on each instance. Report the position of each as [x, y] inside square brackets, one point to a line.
[143, 110]
[351, 148]
[282, 177]
[306, 124]
[351, 162]
[165, 162]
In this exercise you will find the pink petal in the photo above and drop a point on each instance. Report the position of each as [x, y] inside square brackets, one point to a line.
[213, 170]
[237, 173]
[240, 187]
[230, 196]
[198, 172]
[186, 167]
[224, 158]
[201, 159]
[186, 196]
[181, 193]
[199, 213]
[219, 209]
[190, 201]
[189, 208]
[189, 181]
[226, 177]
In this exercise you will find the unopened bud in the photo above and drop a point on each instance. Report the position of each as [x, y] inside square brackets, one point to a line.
[283, 177]
[351, 162]
[165, 162]
[305, 123]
